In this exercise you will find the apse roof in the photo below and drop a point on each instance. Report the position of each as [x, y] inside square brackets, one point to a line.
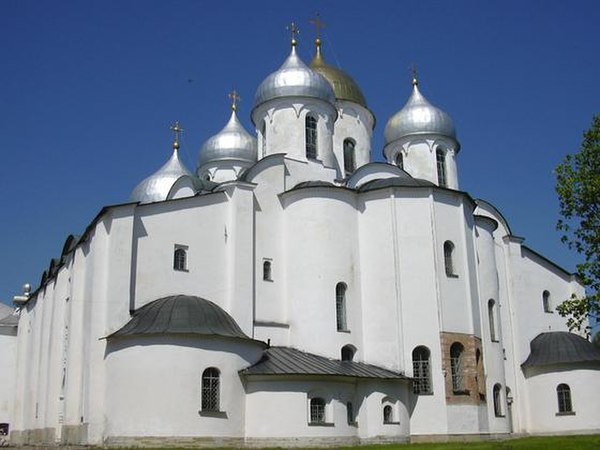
[290, 361]
[560, 347]
[181, 314]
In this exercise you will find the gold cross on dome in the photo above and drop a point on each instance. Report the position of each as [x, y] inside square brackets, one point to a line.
[319, 25]
[176, 129]
[235, 99]
[294, 30]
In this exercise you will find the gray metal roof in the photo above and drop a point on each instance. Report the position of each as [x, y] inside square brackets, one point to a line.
[394, 182]
[560, 347]
[418, 117]
[181, 314]
[290, 361]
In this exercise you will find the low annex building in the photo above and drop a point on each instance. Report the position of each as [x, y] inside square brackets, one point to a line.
[289, 291]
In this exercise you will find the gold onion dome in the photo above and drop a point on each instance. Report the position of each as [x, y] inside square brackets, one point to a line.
[419, 117]
[344, 87]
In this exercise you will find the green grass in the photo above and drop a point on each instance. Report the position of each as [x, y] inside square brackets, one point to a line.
[588, 442]
[531, 443]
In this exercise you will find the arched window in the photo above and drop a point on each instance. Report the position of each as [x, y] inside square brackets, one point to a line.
[267, 271]
[440, 158]
[546, 301]
[210, 389]
[563, 394]
[448, 260]
[179, 258]
[491, 314]
[349, 156]
[264, 138]
[311, 137]
[340, 306]
[400, 160]
[497, 401]
[456, 367]
[388, 416]
[421, 370]
[317, 410]
[348, 352]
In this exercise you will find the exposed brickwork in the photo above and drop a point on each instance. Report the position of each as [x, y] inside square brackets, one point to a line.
[472, 370]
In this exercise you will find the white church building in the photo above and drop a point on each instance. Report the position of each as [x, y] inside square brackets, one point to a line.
[292, 292]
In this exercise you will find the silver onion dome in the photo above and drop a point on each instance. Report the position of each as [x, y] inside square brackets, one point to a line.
[156, 187]
[418, 117]
[294, 79]
[231, 143]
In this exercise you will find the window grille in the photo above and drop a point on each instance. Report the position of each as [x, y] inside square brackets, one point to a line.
[563, 393]
[179, 259]
[210, 389]
[421, 371]
[456, 367]
[311, 137]
[441, 166]
[387, 414]
[340, 306]
[448, 262]
[317, 410]
[349, 156]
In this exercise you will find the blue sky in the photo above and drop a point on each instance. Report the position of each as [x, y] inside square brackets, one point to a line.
[88, 91]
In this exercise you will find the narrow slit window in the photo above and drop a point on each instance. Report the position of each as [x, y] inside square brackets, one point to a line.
[497, 400]
[546, 301]
[400, 160]
[448, 258]
[340, 306]
[267, 274]
[440, 158]
[311, 137]
[349, 156]
[491, 319]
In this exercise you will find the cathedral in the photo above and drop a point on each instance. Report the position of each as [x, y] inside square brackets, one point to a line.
[291, 292]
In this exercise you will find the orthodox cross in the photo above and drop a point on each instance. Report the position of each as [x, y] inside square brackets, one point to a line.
[294, 30]
[413, 71]
[176, 129]
[319, 25]
[235, 99]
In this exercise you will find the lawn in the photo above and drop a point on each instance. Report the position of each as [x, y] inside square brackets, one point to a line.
[591, 442]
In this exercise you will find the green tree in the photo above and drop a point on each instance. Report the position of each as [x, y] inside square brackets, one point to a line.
[578, 188]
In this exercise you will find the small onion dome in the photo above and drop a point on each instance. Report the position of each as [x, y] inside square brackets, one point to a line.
[344, 87]
[561, 347]
[418, 117]
[156, 187]
[181, 314]
[231, 143]
[294, 79]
